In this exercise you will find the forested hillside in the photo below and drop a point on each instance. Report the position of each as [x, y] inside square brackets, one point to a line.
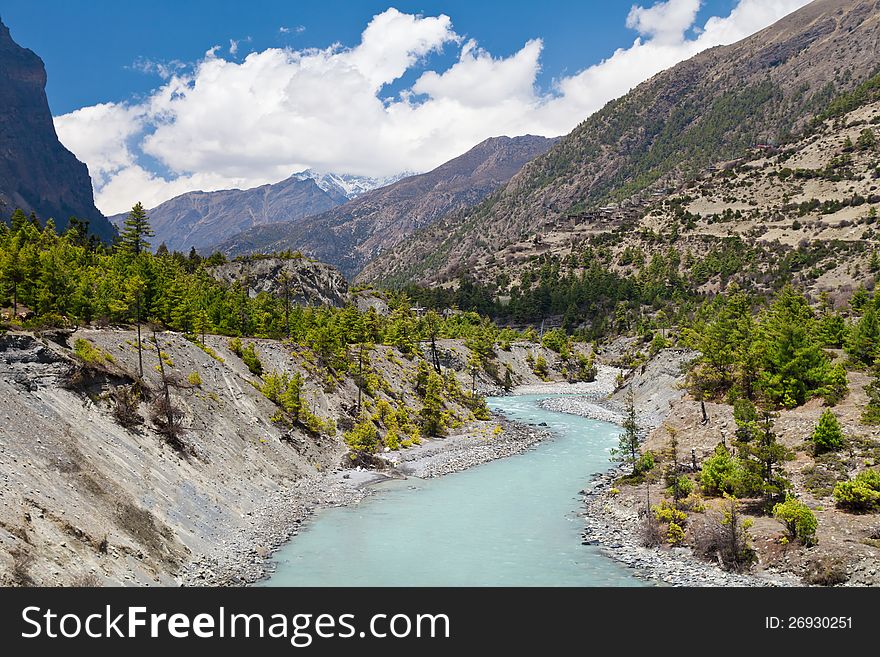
[710, 109]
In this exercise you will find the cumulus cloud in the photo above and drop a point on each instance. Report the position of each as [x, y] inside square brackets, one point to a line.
[226, 124]
[665, 22]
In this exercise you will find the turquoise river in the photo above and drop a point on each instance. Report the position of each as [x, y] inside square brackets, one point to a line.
[510, 522]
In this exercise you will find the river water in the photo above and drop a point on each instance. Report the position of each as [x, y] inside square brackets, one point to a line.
[510, 522]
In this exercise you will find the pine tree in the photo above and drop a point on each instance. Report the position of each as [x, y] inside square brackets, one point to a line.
[628, 447]
[828, 435]
[432, 407]
[136, 231]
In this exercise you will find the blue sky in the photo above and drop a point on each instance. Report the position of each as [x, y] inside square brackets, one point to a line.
[161, 98]
[90, 48]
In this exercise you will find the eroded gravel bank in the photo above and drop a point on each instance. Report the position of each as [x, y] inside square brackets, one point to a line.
[244, 557]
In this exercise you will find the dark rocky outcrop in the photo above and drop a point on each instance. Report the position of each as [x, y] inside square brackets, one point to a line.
[311, 283]
[37, 173]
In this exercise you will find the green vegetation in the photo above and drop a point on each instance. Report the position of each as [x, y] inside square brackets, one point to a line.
[828, 435]
[861, 494]
[89, 353]
[776, 355]
[627, 451]
[799, 520]
[248, 355]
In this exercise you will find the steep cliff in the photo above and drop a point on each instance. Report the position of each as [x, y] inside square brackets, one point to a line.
[36, 172]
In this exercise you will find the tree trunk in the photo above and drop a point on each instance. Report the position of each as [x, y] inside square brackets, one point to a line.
[138, 320]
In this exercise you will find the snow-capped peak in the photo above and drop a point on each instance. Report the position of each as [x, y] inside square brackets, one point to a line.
[348, 186]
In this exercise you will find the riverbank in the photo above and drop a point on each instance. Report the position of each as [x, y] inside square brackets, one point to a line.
[614, 525]
[612, 521]
[245, 556]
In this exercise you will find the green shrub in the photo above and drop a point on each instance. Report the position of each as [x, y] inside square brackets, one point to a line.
[645, 462]
[665, 512]
[89, 353]
[675, 534]
[861, 494]
[252, 360]
[556, 340]
[720, 472]
[364, 437]
[392, 439]
[680, 488]
[799, 521]
[828, 435]
[540, 367]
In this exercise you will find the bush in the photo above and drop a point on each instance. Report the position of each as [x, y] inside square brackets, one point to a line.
[541, 367]
[194, 379]
[665, 512]
[828, 435]
[826, 571]
[392, 439]
[861, 494]
[725, 538]
[90, 354]
[364, 437]
[248, 354]
[675, 534]
[720, 473]
[651, 534]
[799, 521]
[645, 462]
[168, 419]
[680, 488]
[252, 360]
[556, 340]
[126, 400]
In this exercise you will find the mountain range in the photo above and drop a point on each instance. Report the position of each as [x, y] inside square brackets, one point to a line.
[713, 108]
[37, 173]
[351, 235]
[198, 219]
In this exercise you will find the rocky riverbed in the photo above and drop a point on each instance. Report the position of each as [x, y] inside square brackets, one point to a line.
[615, 526]
[243, 557]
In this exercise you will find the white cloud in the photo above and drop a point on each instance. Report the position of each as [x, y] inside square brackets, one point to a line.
[666, 22]
[244, 123]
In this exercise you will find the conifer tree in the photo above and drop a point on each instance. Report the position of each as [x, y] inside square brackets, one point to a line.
[828, 435]
[628, 447]
[136, 230]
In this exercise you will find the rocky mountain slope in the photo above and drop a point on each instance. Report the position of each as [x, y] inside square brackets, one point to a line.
[85, 500]
[309, 282]
[198, 219]
[36, 172]
[710, 109]
[352, 234]
[805, 212]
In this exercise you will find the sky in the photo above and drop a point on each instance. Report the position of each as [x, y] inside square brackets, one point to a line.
[166, 97]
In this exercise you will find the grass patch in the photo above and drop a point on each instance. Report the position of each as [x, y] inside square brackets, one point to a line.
[90, 354]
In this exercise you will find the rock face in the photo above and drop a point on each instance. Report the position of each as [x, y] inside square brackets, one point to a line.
[311, 282]
[36, 172]
[709, 109]
[352, 234]
[200, 219]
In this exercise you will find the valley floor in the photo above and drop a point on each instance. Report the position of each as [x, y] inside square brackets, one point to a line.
[246, 552]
